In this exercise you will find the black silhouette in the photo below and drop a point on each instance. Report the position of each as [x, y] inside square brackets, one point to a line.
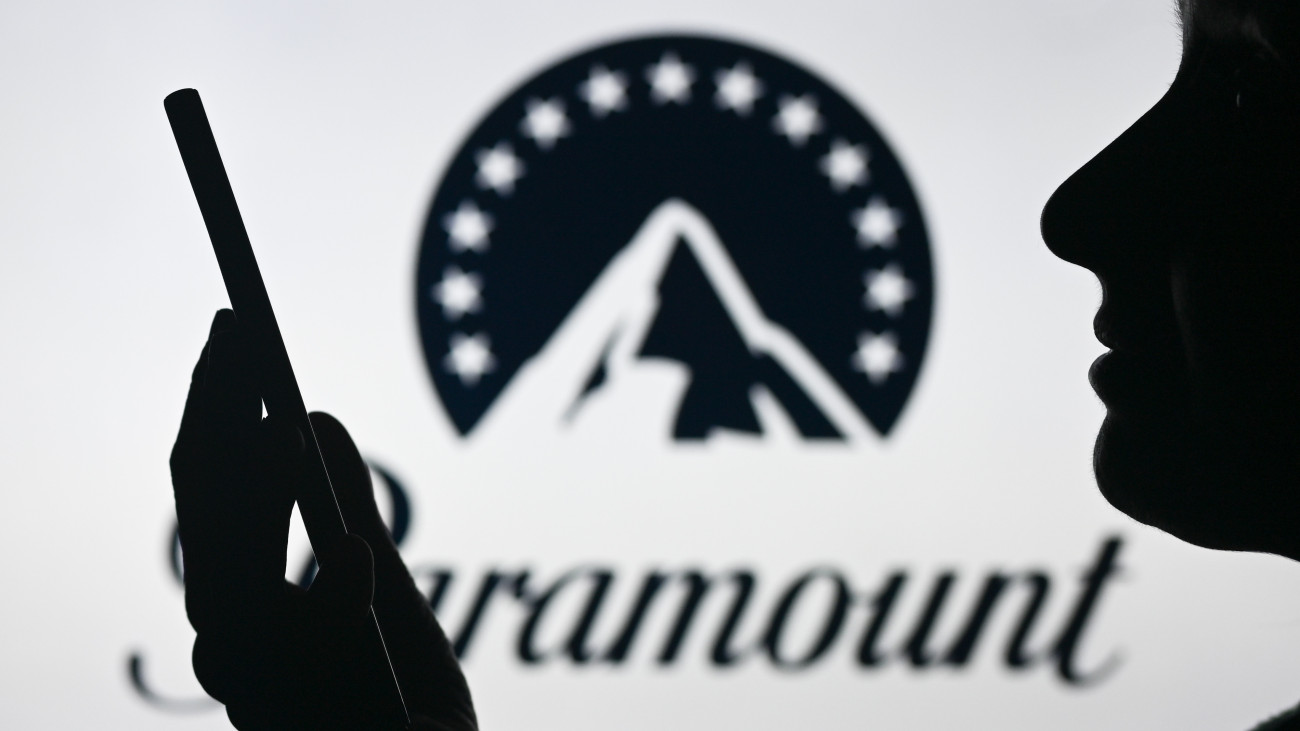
[275, 655]
[270, 653]
[1191, 220]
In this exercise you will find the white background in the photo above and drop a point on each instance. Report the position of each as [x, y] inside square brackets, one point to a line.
[336, 121]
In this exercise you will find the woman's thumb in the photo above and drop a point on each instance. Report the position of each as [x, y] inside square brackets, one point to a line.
[350, 477]
[345, 586]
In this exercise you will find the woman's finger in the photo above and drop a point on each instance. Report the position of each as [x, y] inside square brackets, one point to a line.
[232, 405]
[426, 667]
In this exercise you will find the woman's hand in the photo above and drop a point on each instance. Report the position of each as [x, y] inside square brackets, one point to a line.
[278, 656]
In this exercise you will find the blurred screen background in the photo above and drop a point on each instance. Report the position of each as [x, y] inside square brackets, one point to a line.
[337, 121]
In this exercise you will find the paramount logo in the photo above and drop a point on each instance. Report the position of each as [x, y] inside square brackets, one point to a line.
[596, 615]
[726, 250]
[605, 615]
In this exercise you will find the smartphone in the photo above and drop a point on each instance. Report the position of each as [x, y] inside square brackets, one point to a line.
[279, 387]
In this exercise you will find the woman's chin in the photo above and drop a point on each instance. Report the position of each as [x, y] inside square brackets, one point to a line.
[1154, 473]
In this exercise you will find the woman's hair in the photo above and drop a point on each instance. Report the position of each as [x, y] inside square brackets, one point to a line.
[1273, 24]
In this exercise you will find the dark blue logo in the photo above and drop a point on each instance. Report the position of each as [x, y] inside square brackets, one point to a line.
[680, 230]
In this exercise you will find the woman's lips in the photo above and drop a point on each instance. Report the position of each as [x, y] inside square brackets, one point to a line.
[1130, 383]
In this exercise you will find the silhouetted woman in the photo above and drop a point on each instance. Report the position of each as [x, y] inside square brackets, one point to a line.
[1191, 220]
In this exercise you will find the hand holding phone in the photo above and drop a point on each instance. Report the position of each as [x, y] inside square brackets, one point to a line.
[258, 370]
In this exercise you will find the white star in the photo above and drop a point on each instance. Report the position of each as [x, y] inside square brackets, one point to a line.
[737, 88]
[670, 80]
[846, 165]
[888, 290]
[545, 122]
[467, 228]
[458, 293]
[605, 91]
[498, 168]
[877, 224]
[469, 357]
[797, 118]
[877, 356]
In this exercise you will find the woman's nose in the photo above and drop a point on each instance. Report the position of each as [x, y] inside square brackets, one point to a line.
[1065, 225]
[1130, 199]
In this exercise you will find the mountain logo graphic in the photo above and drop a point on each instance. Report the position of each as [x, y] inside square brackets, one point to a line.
[681, 237]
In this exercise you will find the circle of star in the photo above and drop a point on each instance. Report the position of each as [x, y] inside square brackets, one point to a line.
[546, 122]
[459, 293]
[470, 357]
[877, 356]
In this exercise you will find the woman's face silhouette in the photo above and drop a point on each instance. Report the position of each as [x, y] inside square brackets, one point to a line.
[1191, 221]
